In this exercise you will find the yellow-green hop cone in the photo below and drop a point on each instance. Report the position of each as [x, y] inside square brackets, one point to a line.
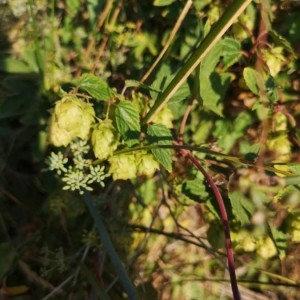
[164, 117]
[266, 248]
[295, 235]
[244, 240]
[71, 118]
[123, 166]
[274, 59]
[279, 143]
[146, 164]
[294, 227]
[105, 139]
[58, 136]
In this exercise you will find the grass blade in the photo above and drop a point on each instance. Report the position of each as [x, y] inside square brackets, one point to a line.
[109, 248]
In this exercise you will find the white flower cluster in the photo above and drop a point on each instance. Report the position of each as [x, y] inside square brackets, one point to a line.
[79, 174]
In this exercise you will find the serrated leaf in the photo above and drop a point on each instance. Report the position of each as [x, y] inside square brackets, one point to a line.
[231, 49]
[241, 206]
[128, 122]
[159, 134]
[95, 86]
[251, 78]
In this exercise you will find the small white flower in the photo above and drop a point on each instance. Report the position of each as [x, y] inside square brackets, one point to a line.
[97, 175]
[57, 162]
[76, 180]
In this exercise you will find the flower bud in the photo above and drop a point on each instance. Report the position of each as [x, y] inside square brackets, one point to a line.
[123, 166]
[105, 139]
[71, 118]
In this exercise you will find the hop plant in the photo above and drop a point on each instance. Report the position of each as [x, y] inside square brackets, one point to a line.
[294, 227]
[146, 164]
[127, 166]
[164, 117]
[278, 141]
[266, 248]
[123, 166]
[105, 139]
[71, 118]
[274, 59]
[244, 240]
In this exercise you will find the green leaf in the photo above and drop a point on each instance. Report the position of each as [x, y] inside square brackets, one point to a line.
[163, 2]
[73, 6]
[241, 206]
[231, 52]
[213, 85]
[271, 89]
[213, 89]
[94, 86]
[210, 61]
[136, 83]
[159, 134]
[254, 81]
[128, 122]
[281, 41]
[280, 240]
[195, 189]
[11, 65]
[163, 78]
[252, 77]
[144, 41]
[227, 131]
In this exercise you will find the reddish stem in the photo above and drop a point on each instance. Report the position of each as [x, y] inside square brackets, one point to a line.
[224, 217]
[220, 201]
